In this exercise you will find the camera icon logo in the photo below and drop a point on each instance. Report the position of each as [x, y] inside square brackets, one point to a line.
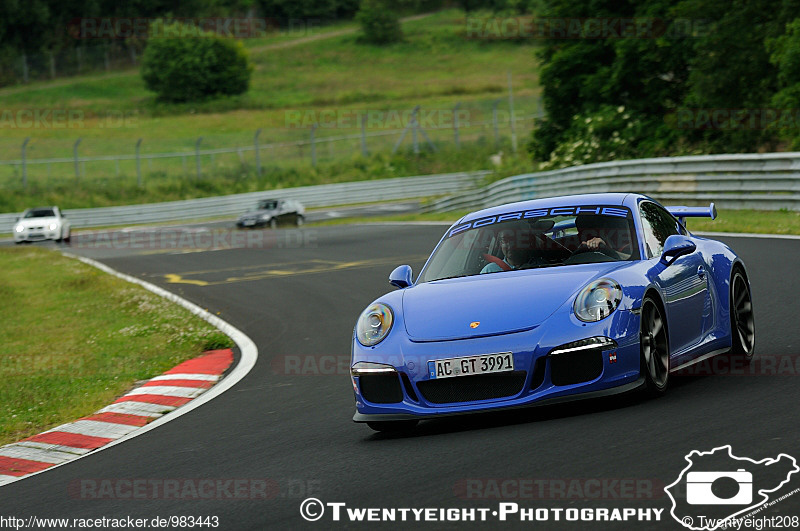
[700, 491]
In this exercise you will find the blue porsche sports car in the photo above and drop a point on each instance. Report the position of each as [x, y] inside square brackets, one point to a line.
[549, 300]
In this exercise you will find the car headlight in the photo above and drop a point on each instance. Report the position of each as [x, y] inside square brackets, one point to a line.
[19, 228]
[53, 226]
[265, 216]
[597, 300]
[373, 324]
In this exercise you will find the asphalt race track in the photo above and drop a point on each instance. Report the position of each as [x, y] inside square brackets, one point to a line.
[297, 294]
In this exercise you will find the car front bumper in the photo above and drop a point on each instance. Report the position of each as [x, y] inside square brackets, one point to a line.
[616, 370]
[32, 235]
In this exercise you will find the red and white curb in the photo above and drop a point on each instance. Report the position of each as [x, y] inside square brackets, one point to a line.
[177, 391]
[130, 412]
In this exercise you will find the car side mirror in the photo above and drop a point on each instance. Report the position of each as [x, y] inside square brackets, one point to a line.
[676, 246]
[401, 276]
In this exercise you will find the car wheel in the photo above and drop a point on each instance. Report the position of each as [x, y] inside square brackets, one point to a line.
[654, 343]
[273, 223]
[743, 329]
[394, 426]
[299, 220]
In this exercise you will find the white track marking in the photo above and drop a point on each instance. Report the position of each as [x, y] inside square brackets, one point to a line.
[95, 428]
[36, 454]
[163, 390]
[143, 409]
[59, 447]
[748, 235]
[178, 376]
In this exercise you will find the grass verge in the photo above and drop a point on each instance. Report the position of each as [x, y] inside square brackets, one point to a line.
[745, 221]
[75, 338]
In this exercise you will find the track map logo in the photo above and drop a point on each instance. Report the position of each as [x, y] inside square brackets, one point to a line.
[718, 490]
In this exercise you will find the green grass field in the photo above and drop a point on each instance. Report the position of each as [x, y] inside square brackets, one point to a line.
[338, 77]
[74, 338]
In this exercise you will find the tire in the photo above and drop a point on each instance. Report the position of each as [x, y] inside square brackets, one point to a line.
[743, 328]
[654, 345]
[273, 223]
[299, 220]
[395, 426]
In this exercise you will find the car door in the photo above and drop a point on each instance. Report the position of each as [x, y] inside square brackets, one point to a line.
[684, 283]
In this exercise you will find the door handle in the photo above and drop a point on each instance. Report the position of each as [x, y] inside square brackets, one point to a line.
[701, 272]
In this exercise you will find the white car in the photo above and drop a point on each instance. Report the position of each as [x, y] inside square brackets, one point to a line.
[42, 223]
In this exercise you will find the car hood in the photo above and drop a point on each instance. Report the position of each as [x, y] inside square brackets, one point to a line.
[500, 302]
[37, 222]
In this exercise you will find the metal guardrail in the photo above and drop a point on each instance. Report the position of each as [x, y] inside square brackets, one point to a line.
[233, 205]
[769, 181]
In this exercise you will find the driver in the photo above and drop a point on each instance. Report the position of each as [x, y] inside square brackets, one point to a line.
[609, 235]
[515, 253]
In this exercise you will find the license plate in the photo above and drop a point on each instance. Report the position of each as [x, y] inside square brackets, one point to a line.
[249, 222]
[486, 363]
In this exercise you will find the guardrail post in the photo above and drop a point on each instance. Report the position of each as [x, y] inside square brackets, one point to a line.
[313, 146]
[415, 130]
[455, 125]
[494, 121]
[364, 136]
[511, 110]
[24, 162]
[138, 163]
[52, 66]
[197, 157]
[75, 157]
[258, 153]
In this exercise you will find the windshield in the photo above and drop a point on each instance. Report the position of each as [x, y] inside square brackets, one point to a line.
[39, 213]
[267, 205]
[545, 237]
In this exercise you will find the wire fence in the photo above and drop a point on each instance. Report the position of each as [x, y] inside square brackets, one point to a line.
[307, 137]
[27, 67]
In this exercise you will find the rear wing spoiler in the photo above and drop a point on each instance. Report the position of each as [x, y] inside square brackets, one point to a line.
[683, 212]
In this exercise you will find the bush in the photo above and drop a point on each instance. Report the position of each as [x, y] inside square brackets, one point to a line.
[610, 133]
[379, 24]
[182, 63]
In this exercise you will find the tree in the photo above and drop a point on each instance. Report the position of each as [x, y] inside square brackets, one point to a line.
[183, 63]
[379, 24]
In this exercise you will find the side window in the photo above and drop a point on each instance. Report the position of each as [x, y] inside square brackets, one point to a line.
[658, 225]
